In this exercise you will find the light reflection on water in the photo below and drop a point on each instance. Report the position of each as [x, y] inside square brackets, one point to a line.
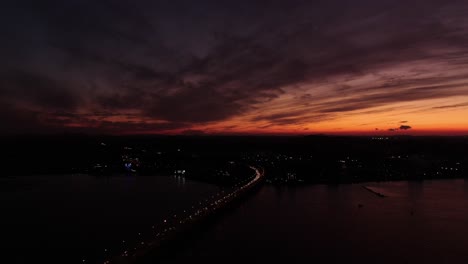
[420, 222]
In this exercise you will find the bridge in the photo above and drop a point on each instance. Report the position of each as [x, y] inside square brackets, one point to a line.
[171, 229]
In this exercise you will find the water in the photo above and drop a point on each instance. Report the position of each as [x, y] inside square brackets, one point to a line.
[418, 222]
[69, 218]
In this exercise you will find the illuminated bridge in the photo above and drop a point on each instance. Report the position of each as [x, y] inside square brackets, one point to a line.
[172, 228]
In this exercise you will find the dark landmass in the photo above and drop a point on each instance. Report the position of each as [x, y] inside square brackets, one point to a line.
[222, 159]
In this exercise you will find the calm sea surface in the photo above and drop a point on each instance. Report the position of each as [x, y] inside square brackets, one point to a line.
[79, 217]
[69, 218]
[418, 222]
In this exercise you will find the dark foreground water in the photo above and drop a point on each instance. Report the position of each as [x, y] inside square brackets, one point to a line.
[71, 218]
[418, 222]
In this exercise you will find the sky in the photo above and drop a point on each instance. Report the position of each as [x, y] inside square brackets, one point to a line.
[345, 67]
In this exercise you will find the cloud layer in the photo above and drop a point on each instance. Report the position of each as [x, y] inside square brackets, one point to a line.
[212, 67]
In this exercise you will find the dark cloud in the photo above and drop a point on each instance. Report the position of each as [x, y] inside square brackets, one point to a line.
[383, 95]
[18, 121]
[402, 127]
[37, 90]
[158, 66]
[137, 127]
[451, 106]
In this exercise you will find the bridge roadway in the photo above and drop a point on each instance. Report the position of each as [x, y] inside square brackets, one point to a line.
[172, 228]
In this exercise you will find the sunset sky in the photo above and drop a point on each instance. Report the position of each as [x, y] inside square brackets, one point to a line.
[357, 67]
